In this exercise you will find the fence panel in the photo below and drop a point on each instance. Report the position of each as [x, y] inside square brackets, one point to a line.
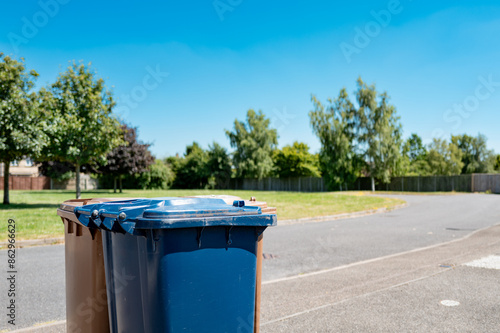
[27, 183]
[460, 183]
[486, 182]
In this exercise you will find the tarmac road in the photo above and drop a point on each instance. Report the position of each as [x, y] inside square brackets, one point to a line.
[427, 220]
[350, 296]
[40, 285]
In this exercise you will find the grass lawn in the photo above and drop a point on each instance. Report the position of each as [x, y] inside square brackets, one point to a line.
[36, 217]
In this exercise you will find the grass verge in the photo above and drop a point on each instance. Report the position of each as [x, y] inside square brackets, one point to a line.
[36, 218]
[415, 193]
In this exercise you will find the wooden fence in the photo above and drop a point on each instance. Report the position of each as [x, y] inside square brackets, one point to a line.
[27, 183]
[86, 183]
[45, 183]
[300, 184]
[462, 183]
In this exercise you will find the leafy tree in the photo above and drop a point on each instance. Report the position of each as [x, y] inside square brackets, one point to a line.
[191, 171]
[414, 156]
[419, 168]
[218, 166]
[476, 157]
[381, 132]
[81, 106]
[497, 163]
[254, 142]
[296, 161]
[21, 123]
[174, 162]
[337, 128]
[200, 168]
[157, 176]
[130, 158]
[352, 137]
[444, 158]
[414, 148]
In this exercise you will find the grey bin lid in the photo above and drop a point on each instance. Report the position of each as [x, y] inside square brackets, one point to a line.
[171, 212]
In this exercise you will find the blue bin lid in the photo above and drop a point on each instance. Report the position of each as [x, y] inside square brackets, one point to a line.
[171, 212]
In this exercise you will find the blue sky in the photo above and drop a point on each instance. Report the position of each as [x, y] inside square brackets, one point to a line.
[213, 60]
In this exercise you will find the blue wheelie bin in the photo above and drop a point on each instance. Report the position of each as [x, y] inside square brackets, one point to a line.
[179, 264]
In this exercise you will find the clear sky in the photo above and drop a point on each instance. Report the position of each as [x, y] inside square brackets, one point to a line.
[182, 71]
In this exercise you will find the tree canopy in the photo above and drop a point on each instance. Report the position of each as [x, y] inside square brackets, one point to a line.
[444, 158]
[337, 127]
[476, 157]
[413, 161]
[81, 107]
[191, 171]
[22, 126]
[296, 161]
[352, 138]
[414, 149]
[130, 158]
[219, 166]
[381, 132]
[254, 142]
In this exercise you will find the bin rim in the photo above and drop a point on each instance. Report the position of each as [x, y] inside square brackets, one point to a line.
[66, 209]
[170, 213]
[69, 205]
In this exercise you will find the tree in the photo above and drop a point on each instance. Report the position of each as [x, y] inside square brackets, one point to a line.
[157, 176]
[296, 161]
[21, 123]
[352, 137]
[476, 157]
[497, 163]
[444, 158]
[191, 171]
[381, 132]
[414, 148]
[130, 158]
[414, 156]
[218, 166]
[337, 128]
[254, 142]
[200, 168]
[81, 106]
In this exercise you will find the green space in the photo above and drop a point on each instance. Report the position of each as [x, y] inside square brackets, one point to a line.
[36, 218]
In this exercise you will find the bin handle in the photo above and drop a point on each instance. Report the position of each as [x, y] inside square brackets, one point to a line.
[117, 216]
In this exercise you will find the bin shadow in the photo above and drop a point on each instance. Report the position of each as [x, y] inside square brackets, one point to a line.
[28, 206]
[72, 192]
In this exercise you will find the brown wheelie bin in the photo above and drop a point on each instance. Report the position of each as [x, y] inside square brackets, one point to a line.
[86, 298]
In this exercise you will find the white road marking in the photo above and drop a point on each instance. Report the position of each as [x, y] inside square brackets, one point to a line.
[368, 294]
[448, 302]
[328, 270]
[491, 262]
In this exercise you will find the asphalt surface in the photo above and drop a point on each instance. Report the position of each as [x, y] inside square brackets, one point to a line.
[427, 220]
[40, 285]
[396, 293]
[350, 275]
